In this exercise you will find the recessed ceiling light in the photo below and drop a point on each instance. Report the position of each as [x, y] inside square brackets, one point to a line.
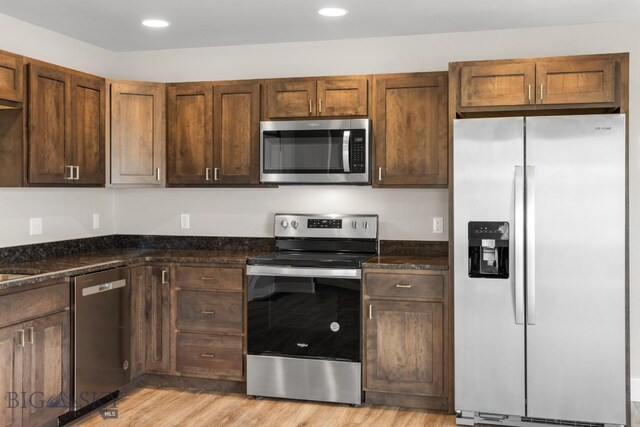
[333, 11]
[155, 23]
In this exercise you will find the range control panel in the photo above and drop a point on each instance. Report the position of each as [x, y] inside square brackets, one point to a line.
[327, 226]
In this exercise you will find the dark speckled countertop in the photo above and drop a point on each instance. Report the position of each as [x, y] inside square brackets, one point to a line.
[59, 260]
[66, 266]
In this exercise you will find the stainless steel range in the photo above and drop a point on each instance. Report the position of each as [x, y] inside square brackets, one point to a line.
[304, 308]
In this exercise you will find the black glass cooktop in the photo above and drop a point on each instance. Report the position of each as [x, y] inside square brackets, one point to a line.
[311, 259]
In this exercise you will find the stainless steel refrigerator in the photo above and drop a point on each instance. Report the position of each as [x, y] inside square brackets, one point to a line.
[540, 270]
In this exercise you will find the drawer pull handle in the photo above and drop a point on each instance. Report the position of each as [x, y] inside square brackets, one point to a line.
[207, 278]
[208, 355]
[400, 285]
[207, 312]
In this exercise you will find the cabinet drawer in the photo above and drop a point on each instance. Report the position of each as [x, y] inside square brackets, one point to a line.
[210, 312]
[21, 306]
[405, 285]
[209, 355]
[217, 278]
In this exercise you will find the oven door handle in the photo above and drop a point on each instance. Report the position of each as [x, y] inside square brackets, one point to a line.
[345, 151]
[334, 273]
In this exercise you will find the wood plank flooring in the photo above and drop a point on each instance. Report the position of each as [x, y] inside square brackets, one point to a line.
[169, 407]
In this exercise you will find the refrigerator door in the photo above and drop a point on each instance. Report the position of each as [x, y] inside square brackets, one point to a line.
[489, 329]
[576, 268]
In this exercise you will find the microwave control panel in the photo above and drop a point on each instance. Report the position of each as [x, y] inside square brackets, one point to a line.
[358, 151]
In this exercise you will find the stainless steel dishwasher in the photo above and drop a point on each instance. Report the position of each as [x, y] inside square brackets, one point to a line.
[101, 322]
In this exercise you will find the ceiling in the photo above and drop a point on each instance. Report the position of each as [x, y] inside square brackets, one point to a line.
[115, 24]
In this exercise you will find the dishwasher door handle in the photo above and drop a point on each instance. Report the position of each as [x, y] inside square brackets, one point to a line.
[104, 287]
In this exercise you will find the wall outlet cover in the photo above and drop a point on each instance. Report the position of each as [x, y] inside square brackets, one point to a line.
[185, 221]
[96, 221]
[35, 226]
[438, 225]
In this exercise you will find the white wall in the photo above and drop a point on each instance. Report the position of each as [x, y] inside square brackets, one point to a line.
[404, 214]
[65, 213]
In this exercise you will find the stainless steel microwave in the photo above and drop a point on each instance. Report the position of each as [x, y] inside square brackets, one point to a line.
[315, 152]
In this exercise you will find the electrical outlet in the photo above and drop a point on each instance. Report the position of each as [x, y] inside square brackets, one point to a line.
[184, 221]
[438, 224]
[35, 226]
[96, 221]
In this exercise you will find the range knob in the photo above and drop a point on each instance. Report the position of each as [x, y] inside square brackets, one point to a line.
[354, 224]
[365, 225]
[294, 223]
[284, 223]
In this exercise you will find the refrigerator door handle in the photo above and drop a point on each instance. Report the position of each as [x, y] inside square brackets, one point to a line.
[531, 245]
[519, 244]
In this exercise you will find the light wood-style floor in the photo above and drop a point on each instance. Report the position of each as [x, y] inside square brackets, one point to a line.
[159, 407]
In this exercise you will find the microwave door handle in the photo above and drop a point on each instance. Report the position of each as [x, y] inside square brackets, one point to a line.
[345, 151]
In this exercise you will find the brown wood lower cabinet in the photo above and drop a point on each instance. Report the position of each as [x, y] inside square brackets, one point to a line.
[188, 320]
[35, 354]
[47, 369]
[213, 356]
[209, 321]
[157, 310]
[406, 338]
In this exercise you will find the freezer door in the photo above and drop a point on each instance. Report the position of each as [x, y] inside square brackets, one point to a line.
[489, 334]
[576, 268]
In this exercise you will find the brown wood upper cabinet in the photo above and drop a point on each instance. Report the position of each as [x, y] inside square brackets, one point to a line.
[576, 82]
[137, 133]
[497, 85]
[11, 77]
[541, 83]
[330, 97]
[66, 127]
[410, 130]
[213, 133]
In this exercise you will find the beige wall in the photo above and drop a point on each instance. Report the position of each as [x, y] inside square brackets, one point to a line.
[404, 213]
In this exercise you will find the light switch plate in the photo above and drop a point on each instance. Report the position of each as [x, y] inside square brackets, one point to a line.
[35, 226]
[96, 221]
[185, 221]
[438, 225]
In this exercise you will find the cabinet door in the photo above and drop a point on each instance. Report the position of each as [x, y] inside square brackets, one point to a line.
[237, 133]
[138, 280]
[291, 99]
[88, 117]
[11, 77]
[158, 320]
[576, 82]
[497, 85]
[47, 369]
[342, 97]
[49, 125]
[404, 348]
[11, 354]
[137, 133]
[190, 134]
[410, 130]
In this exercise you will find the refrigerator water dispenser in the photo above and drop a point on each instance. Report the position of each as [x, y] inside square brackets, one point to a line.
[489, 249]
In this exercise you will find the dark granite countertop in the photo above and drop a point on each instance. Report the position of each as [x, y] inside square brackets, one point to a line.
[66, 266]
[405, 261]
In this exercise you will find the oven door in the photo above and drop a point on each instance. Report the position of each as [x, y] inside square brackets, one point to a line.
[304, 312]
[315, 152]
